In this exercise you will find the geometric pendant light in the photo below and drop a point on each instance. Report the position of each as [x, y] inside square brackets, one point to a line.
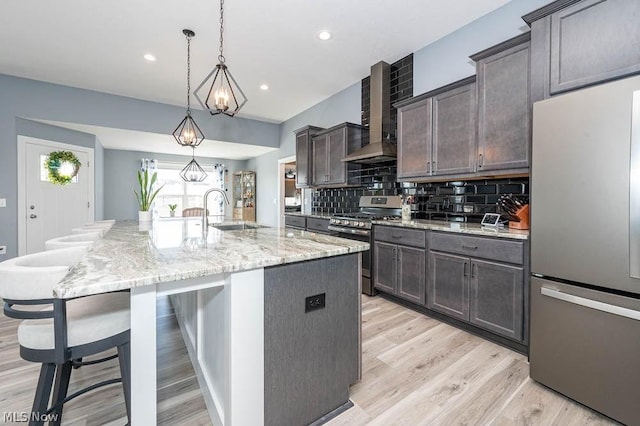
[221, 94]
[188, 133]
[192, 171]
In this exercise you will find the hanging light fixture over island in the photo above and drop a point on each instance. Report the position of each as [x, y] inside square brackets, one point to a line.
[222, 94]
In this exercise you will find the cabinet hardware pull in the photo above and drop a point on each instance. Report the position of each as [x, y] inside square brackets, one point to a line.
[473, 268]
[428, 166]
[465, 269]
[481, 158]
[433, 166]
[396, 236]
[469, 247]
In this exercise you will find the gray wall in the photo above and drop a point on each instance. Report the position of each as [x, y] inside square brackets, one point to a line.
[437, 64]
[30, 99]
[120, 168]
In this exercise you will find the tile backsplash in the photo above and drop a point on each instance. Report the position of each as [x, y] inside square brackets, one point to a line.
[463, 201]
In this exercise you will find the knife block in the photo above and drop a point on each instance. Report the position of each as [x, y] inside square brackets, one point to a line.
[523, 215]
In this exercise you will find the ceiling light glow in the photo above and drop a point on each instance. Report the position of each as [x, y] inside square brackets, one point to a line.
[149, 57]
[324, 35]
[264, 87]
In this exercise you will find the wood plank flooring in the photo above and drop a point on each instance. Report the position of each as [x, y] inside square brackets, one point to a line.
[416, 371]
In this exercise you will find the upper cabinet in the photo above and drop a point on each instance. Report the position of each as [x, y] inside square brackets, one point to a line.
[504, 105]
[304, 165]
[576, 44]
[329, 147]
[436, 132]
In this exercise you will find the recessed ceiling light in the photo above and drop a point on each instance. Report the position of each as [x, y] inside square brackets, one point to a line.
[264, 87]
[324, 35]
[149, 57]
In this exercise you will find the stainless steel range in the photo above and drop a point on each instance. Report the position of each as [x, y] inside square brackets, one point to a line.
[357, 226]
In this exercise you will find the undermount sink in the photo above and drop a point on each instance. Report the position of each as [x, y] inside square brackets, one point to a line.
[235, 226]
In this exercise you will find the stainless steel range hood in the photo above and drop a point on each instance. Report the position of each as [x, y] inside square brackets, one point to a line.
[380, 147]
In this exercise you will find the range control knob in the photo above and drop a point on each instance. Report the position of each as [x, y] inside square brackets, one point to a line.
[361, 224]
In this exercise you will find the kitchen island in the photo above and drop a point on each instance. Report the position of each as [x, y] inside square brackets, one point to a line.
[271, 317]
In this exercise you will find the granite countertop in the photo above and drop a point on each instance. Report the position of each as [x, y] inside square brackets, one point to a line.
[462, 228]
[320, 216]
[131, 255]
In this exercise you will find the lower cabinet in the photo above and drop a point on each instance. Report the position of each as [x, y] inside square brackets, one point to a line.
[399, 269]
[478, 288]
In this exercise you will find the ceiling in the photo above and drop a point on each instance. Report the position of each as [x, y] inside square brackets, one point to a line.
[100, 45]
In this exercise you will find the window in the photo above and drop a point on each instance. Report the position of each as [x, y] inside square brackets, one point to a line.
[186, 194]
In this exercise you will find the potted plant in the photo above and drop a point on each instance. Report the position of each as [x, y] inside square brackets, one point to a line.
[146, 195]
[172, 210]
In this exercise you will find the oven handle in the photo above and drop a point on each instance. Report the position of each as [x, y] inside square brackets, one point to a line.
[349, 230]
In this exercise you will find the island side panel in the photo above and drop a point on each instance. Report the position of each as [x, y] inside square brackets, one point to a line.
[310, 358]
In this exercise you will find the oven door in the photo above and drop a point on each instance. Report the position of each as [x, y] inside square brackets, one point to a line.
[359, 235]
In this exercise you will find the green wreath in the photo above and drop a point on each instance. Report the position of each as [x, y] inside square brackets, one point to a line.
[54, 163]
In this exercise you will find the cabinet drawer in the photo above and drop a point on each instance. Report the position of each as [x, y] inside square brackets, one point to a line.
[487, 248]
[296, 221]
[317, 224]
[405, 237]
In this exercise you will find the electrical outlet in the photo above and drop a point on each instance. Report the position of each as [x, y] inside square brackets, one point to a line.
[3, 249]
[312, 303]
[3, 202]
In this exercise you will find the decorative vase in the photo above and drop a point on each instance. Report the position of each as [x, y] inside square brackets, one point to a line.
[172, 214]
[144, 216]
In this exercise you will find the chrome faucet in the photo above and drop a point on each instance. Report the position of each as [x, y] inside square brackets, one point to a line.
[205, 219]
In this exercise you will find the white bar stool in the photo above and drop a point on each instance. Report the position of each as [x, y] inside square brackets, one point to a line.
[75, 240]
[84, 230]
[70, 330]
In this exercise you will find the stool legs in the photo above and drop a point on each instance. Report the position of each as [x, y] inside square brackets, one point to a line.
[43, 391]
[60, 389]
[124, 357]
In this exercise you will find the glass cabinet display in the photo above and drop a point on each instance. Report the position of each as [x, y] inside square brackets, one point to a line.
[244, 195]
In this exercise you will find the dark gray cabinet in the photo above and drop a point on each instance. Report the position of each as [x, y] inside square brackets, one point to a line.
[479, 280]
[318, 224]
[304, 164]
[454, 131]
[329, 147]
[399, 262]
[448, 285]
[504, 105]
[437, 132]
[576, 44]
[496, 297]
[414, 139]
[295, 221]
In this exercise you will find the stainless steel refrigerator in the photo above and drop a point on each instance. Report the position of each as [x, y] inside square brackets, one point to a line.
[585, 247]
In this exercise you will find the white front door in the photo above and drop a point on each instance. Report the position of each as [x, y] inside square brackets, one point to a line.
[46, 210]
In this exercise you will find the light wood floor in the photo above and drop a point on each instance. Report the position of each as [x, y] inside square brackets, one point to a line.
[416, 371]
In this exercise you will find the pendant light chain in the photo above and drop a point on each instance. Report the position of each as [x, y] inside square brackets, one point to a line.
[188, 74]
[221, 55]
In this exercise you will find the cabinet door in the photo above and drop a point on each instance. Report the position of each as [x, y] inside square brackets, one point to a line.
[496, 298]
[411, 274]
[594, 41]
[385, 267]
[320, 146]
[454, 130]
[449, 285]
[303, 165]
[504, 116]
[336, 169]
[414, 139]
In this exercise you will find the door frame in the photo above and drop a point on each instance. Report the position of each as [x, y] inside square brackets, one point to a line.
[281, 190]
[21, 180]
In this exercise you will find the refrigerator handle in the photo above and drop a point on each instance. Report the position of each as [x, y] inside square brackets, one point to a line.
[634, 189]
[592, 304]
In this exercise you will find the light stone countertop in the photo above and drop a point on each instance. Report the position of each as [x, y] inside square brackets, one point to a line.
[131, 256]
[320, 216]
[458, 227]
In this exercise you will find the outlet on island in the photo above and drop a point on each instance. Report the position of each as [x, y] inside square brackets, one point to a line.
[313, 303]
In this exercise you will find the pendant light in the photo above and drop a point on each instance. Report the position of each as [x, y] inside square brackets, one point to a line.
[192, 172]
[223, 95]
[188, 133]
